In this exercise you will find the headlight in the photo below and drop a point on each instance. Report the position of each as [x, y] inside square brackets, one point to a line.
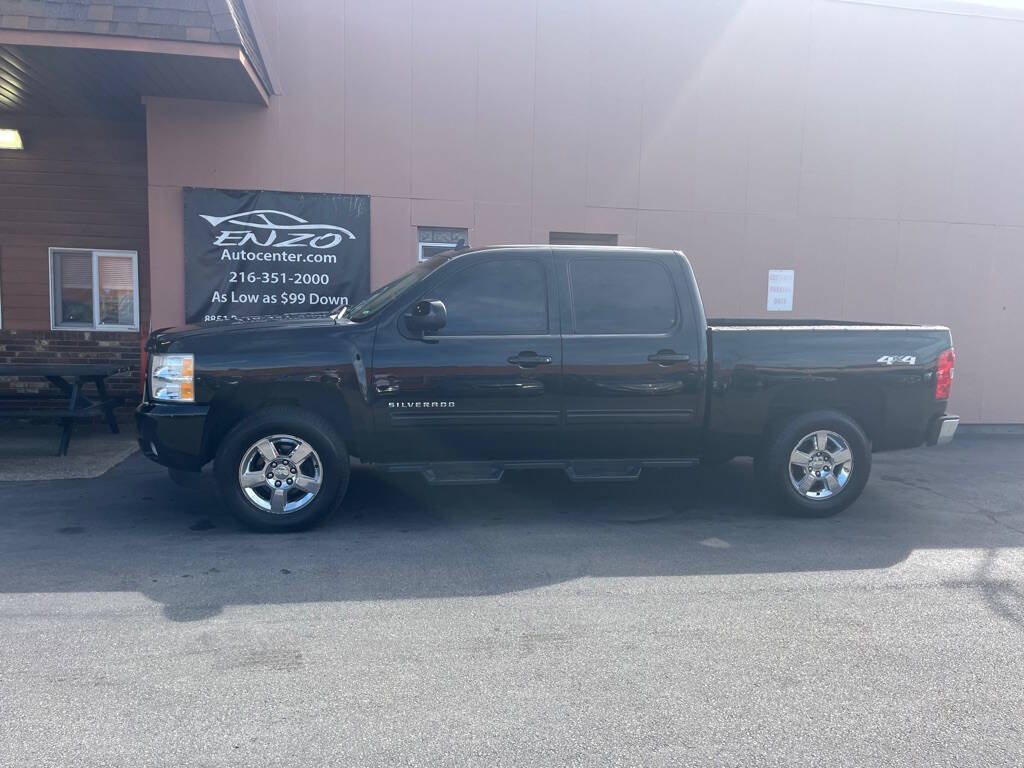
[172, 377]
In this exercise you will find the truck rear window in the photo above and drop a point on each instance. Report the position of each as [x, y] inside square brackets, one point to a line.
[621, 296]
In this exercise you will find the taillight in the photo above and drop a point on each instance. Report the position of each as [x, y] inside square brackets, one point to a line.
[944, 374]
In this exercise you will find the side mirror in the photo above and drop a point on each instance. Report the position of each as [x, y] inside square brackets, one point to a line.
[426, 317]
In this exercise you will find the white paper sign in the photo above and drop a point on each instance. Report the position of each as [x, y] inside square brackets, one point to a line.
[780, 290]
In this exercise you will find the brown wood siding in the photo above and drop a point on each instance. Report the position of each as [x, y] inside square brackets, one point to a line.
[78, 184]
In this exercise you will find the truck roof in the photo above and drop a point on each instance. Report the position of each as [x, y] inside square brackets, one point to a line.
[622, 249]
[619, 250]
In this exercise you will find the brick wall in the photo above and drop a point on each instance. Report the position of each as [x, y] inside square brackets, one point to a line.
[26, 347]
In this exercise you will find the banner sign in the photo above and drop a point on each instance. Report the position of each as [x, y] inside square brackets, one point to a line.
[258, 253]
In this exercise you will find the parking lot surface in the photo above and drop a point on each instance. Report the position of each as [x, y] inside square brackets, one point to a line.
[672, 622]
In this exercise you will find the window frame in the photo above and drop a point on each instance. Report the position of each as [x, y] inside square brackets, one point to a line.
[462, 234]
[420, 258]
[96, 253]
[560, 238]
[443, 280]
[677, 323]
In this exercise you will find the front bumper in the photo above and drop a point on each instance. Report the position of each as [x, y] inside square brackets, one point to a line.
[172, 434]
[942, 429]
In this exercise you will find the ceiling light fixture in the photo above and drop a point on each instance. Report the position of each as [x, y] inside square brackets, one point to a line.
[10, 138]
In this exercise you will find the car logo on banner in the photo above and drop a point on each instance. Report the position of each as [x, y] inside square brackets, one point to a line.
[296, 230]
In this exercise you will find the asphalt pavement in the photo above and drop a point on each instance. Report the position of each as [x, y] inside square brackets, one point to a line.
[677, 621]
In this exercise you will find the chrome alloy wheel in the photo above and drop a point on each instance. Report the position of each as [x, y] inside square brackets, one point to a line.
[280, 474]
[820, 465]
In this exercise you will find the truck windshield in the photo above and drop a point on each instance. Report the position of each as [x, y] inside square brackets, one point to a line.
[385, 295]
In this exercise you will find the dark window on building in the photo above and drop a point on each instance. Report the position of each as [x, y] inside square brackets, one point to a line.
[505, 297]
[582, 238]
[434, 240]
[621, 296]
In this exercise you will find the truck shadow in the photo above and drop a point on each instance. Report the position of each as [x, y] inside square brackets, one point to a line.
[398, 538]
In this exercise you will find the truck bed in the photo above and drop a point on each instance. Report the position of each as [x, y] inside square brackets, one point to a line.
[763, 370]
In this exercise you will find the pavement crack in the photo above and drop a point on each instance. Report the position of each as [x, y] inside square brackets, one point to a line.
[998, 521]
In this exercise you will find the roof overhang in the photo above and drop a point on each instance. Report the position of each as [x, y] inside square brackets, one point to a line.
[81, 73]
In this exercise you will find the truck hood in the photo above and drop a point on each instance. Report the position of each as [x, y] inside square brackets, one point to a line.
[163, 338]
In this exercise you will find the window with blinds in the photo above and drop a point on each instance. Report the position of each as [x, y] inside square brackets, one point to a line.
[117, 290]
[72, 281]
[94, 290]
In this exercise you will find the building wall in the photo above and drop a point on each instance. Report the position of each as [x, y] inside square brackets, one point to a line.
[874, 150]
[78, 184]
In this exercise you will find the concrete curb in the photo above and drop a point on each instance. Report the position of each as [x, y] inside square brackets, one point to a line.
[990, 430]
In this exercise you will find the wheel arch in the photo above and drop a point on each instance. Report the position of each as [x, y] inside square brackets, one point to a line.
[242, 400]
[860, 414]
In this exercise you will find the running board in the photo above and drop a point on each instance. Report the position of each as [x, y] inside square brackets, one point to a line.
[578, 470]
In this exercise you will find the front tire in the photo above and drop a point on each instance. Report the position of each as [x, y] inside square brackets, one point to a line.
[282, 469]
[817, 465]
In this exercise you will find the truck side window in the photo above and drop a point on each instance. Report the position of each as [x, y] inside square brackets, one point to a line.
[504, 297]
[612, 295]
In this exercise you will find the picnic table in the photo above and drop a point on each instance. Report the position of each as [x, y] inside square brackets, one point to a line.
[70, 379]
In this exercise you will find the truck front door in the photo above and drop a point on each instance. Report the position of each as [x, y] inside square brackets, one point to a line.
[632, 356]
[488, 384]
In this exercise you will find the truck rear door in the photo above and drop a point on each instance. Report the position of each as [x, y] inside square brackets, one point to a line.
[632, 355]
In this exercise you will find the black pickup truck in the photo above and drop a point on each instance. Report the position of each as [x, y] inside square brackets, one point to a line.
[598, 361]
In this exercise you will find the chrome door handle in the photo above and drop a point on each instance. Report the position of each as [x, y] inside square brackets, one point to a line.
[530, 360]
[666, 357]
[385, 385]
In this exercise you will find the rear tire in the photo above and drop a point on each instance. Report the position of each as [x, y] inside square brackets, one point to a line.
[282, 469]
[817, 465]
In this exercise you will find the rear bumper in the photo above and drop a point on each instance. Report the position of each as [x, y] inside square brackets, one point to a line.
[942, 429]
[172, 435]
